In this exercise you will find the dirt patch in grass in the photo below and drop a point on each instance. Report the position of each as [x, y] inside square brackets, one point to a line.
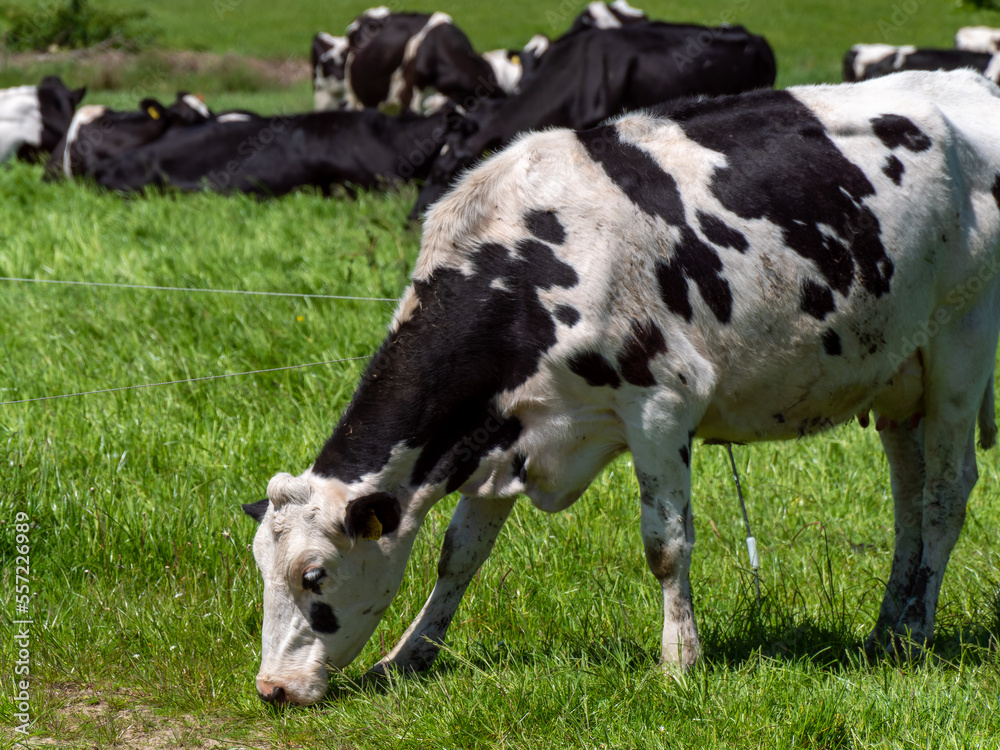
[86, 717]
[154, 70]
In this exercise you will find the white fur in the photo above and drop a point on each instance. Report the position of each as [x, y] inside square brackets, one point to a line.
[539, 44]
[197, 105]
[603, 18]
[978, 39]
[330, 92]
[83, 116]
[20, 119]
[507, 71]
[625, 9]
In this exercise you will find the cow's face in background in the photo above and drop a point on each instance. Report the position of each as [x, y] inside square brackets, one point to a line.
[329, 61]
[330, 567]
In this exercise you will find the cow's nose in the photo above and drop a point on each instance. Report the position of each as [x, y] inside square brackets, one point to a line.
[270, 693]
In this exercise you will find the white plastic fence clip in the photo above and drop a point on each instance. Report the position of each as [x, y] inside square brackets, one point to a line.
[751, 542]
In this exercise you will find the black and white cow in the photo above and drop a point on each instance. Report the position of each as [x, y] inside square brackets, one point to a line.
[978, 39]
[865, 61]
[97, 133]
[273, 156]
[33, 119]
[588, 76]
[743, 268]
[414, 61]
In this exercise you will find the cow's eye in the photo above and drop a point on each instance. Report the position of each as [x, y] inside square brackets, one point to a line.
[312, 579]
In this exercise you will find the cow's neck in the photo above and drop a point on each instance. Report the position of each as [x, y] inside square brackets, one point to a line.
[423, 415]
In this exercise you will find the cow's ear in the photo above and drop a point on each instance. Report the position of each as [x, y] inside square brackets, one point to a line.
[371, 516]
[256, 510]
[76, 96]
[153, 108]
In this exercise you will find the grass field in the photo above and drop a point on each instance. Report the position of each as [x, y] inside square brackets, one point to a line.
[146, 603]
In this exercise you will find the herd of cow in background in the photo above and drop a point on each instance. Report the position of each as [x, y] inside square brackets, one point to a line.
[404, 96]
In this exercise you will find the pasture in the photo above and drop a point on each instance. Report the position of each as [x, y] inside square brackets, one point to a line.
[145, 602]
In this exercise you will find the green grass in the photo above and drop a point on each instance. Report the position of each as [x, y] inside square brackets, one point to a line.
[147, 602]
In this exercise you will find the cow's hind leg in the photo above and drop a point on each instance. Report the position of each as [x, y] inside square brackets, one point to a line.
[903, 446]
[662, 467]
[469, 540]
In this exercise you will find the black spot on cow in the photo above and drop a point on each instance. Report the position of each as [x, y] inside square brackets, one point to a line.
[719, 233]
[518, 467]
[567, 315]
[782, 143]
[545, 225]
[644, 343]
[996, 190]
[322, 619]
[595, 369]
[433, 383]
[685, 455]
[831, 342]
[654, 192]
[684, 380]
[779, 418]
[895, 131]
[894, 169]
[817, 300]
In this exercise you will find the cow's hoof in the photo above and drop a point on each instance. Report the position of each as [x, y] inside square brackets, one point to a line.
[899, 644]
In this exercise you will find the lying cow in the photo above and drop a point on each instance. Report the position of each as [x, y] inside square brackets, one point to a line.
[273, 156]
[589, 76]
[98, 133]
[33, 119]
[866, 61]
[978, 39]
[736, 269]
[414, 61]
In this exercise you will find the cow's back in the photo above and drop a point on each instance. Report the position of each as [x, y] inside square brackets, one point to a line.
[769, 258]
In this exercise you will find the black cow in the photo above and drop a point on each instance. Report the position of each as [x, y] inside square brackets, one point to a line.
[865, 61]
[589, 76]
[273, 156]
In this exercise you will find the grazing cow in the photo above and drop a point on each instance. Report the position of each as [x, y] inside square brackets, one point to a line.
[273, 156]
[98, 133]
[329, 64]
[865, 61]
[599, 15]
[589, 76]
[33, 119]
[410, 61]
[744, 268]
[978, 39]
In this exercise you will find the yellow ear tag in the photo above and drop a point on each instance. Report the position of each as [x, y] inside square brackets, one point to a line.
[373, 529]
[516, 59]
[151, 111]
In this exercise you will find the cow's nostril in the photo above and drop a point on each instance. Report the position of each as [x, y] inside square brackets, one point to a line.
[276, 695]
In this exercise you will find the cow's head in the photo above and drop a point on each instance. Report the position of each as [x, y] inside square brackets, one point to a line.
[329, 62]
[331, 564]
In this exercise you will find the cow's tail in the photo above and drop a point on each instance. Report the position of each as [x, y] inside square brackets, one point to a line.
[987, 419]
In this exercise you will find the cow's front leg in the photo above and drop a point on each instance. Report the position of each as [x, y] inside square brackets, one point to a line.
[664, 474]
[469, 540]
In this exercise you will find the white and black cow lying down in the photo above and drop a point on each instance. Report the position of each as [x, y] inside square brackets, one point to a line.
[97, 133]
[744, 268]
[33, 119]
[865, 61]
